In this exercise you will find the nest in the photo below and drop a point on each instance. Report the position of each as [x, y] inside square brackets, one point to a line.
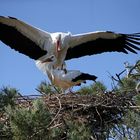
[98, 111]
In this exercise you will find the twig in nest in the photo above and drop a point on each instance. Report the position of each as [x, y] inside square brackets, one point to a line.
[25, 98]
[113, 82]
[99, 115]
[138, 88]
[56, 89]
[57, 125]
[136, 65]
[118, 76]
[55, 117]
[40, 91]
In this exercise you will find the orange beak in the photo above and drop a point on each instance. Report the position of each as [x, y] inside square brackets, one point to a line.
[58, 48]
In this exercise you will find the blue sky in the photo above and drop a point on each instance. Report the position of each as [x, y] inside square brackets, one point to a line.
[76, 16]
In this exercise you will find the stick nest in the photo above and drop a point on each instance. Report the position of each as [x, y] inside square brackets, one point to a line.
[98, 111]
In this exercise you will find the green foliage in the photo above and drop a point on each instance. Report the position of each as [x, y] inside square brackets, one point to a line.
[127, 84]
[5, 131]
[132, 119]
[78, 131]
[7, 97]
[46, 88]
[85, 90]
[137, 99]
[129, 128]
[95, 88]
[135, 70]
[99, 87]
[29, 123]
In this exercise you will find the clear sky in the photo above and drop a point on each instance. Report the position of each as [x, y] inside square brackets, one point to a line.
[76, 16]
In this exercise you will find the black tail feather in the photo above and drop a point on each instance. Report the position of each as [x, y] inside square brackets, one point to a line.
[85, 76]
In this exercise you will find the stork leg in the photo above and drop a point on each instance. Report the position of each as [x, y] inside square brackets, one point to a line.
[64, 67]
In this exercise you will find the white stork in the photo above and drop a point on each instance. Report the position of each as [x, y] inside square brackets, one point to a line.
[60, 78]
[39, 45]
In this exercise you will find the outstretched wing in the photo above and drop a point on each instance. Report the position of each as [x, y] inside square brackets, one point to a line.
[99, 42]
[22, 37]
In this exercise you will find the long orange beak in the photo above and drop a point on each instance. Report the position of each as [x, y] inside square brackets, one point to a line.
[58, 48]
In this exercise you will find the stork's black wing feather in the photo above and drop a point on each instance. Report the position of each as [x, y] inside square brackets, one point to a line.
[19, 41]
[121, 43]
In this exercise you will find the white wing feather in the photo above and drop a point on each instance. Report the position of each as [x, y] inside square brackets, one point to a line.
[35, 34]
[91, 36]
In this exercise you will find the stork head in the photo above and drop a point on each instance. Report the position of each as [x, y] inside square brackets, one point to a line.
[49, 59]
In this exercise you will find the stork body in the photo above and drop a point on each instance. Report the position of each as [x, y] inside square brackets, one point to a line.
[58, 47]
[62, 79]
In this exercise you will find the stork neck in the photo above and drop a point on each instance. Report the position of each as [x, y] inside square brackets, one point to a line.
[50, 71]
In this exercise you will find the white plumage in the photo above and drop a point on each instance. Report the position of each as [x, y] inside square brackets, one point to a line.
[61, 78]
[40, 45]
